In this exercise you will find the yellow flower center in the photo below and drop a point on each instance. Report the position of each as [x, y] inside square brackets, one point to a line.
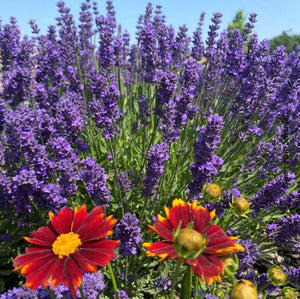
[65, 244]
[190, 239]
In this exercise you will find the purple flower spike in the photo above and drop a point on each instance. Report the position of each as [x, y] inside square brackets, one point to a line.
[158, 155]
[129, 233]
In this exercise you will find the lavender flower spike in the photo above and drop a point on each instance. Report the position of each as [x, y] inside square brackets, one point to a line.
[205, 168]
[129, 233]
[158, 155]
[95, 179]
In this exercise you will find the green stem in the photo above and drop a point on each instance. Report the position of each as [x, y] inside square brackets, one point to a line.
[196, 287]
[113, 280]
[186, 287]
[264, 287]
[174, 280]
[50, 294]
[81, 293]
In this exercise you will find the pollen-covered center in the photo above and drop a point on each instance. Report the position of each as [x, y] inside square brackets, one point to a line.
[65, 244]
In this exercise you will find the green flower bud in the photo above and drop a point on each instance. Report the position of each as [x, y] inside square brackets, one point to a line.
[189, 243]
[244, 289]
[231, 264]
[276, 275]
[240, 206]
[213, 190]
[289, 293]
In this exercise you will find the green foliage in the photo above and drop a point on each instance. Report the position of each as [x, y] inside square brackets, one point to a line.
[290, 41]
[238, 22]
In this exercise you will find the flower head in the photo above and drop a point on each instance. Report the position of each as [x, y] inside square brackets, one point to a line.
[194, 226]
[71, 245]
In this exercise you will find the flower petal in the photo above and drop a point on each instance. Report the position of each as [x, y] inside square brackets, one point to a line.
[99, 252]
[163, 228]
[162, 249]
[43, 237]
[219, 244]
[207, 268]
[73, 274]
[201, 218]
[180, 211]
[62, 222]
[97, 228]
[79, 217]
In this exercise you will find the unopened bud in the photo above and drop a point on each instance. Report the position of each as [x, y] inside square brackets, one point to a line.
[289, 293]
[244, 289]
[231, 264]
[240, 206]
[189, 243]
[213, 190]
[276, 275]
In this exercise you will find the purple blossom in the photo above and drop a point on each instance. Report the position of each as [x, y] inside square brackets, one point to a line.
[163, 283]
[205, 168]
[106, 111]
[157, 156]
[122, 295]
[92, 285]
[124, 182]
[95, 180]
[294, 276]
[129, 233]
[271, 193]
[247, 258]
[263, 280]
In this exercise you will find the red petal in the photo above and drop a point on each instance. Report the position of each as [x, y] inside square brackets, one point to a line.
[79, 217]
[96, 229]
[99, 252]
[162, 249]
[180, 211]
[62, 222]
[201, 218]
[163, 228]
[32, 257]
[94, 213]
[44, 237]
[73, 274]
[58, 273]
[85, 265]
[40, 273]
[207, 267]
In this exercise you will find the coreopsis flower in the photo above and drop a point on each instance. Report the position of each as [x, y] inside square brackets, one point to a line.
[71, 245]
[188, 233]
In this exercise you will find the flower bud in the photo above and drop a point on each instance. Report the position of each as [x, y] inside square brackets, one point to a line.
[189, 243]
[276, 275]
[213, 190]
[289, 293]
[231, 263]
[244, 289]
[240, 206]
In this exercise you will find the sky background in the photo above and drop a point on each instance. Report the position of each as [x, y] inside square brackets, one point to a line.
[274, 16]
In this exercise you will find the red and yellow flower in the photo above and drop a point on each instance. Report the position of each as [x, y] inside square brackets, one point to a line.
[71, 245]
[192, 223]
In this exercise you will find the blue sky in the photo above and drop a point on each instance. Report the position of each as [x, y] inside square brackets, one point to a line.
[274, 16]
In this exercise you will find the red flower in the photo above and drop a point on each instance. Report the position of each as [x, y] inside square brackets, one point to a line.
[68, 247]
[196, 233]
